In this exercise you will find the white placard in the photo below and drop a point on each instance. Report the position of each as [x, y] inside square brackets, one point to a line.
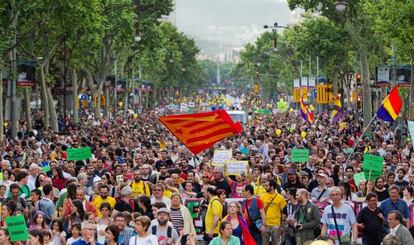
[236, 167]
[312, 82]
[101, 227]
[296, 83]
[304, 82]
[183, 107]
[191, 104]
[220, 157]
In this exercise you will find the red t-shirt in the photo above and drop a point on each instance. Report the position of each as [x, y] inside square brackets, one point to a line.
[244, 210]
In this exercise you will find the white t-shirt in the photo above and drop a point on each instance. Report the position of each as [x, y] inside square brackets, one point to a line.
[72, 240]
[149, 240]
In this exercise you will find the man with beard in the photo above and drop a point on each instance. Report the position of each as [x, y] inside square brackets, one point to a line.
[165, 234]
[292, 180]
[371, 221]
[103, 197]
[138, 186]
[161, 176]
[380, 189]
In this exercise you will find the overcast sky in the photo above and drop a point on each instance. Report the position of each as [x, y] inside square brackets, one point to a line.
[200, 17]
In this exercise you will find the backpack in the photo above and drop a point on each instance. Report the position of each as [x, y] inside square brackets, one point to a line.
[169, 231]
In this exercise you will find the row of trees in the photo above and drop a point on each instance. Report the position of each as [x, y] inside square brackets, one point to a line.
[346, 43]
[76, 40]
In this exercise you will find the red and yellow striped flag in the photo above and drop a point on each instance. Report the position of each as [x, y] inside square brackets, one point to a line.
[200, 131]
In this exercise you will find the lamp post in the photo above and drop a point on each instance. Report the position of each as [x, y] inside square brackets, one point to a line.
[274, 28]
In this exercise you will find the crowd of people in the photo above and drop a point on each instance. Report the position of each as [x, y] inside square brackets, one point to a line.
[135, 187]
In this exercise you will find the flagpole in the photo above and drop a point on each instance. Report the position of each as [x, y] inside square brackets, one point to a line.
[359, 139]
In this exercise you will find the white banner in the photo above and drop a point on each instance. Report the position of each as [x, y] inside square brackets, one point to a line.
[296, 83]
[220, 157]
[236, 167]
[304, 82]
[312, 82]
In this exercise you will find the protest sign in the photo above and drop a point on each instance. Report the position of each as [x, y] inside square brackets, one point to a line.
[78, 154]
[300, 155]
[45, 167]
[220, 157]
[236, 167]
[16, 225]
[411, 128]
[358, 178]
[372, 175]
[372, 163]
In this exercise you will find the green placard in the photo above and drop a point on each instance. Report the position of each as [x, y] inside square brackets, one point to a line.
[358, 178]
[372, 162]
[300, 155]
[16, 225]
[78, 154]
[372, 175]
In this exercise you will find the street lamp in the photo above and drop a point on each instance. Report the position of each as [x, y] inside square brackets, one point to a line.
[340, 5]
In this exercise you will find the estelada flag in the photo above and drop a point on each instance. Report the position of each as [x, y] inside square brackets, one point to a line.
[391, 106]
[199, 131]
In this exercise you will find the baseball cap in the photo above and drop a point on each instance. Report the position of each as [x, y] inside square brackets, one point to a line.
[163, 210]
[291, 171]
[96, 179]
[323, 175]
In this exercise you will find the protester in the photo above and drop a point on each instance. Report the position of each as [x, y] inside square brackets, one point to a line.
[371, 221]
[226, 237]
[142, 224]
[395, 222]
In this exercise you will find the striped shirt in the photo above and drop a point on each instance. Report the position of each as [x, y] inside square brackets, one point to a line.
[177, 219]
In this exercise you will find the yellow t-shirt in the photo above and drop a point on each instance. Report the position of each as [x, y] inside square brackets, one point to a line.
[259, 190]
[214, 208]
[275, 206]
[140, 188]
[97, 201]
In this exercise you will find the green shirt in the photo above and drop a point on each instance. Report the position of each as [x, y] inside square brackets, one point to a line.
[232, 241]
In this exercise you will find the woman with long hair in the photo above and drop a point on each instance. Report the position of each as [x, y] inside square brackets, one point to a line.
[77, 214]
[58, 180]
[144, 203]
[58, 233]
[111, 235]
[5, 212]
[347, 194]
[239, 224]
[38, 221]
[225, 237]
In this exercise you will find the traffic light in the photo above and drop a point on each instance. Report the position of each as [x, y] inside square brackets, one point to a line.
[358, 78]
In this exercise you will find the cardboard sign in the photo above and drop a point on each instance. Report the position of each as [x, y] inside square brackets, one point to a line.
[220, 157]
[372, 163]
[236, 167]
[300, 155]
[78, 154]
[16, 225]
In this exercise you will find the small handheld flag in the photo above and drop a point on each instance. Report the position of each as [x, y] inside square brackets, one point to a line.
[305, 112]
[337, 111]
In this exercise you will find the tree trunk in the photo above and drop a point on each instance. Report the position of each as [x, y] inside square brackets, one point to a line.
[98, 96]
[27, 107]
[412, 87]
[367, 101]
[52, 111]
[75, 97]
[1, 104]
[107, 102]
[45, 102]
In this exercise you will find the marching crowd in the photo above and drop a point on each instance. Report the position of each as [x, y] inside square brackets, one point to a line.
[135, 187]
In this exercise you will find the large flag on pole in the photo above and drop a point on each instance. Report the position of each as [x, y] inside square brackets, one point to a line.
[337, 111]
[391, 106]
[305, 112]
[200, 131]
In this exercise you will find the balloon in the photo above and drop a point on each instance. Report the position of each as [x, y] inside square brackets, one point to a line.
[213, 107]
[221, 107]
[135, 115]
[291, 109]
[303, 134]
[278, 132]
[282, 105]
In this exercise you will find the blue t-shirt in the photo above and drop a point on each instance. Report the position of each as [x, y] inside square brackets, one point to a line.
[345, 218]
[387, 206]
